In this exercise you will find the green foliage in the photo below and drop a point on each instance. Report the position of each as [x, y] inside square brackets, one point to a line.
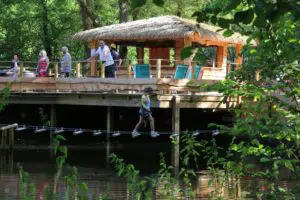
[137, 186]
[137, 3]
[27, 190]
[170, 188]
[4, 97]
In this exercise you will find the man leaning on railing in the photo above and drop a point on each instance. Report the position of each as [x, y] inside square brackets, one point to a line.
[106, 58]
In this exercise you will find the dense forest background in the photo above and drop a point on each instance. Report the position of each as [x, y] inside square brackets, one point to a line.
[26, 26]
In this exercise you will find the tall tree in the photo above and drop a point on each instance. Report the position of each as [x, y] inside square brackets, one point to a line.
[123, 17]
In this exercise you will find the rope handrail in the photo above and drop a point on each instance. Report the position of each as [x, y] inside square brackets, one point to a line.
[77, 131]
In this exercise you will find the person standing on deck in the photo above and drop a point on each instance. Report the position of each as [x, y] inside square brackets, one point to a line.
[145, 114]
[106, 58]
[15, 66]
[66, 63]
[43, 63]
[116, 57]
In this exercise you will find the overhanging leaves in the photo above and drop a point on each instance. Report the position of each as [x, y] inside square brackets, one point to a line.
[159, 2]
[137, 3]
[245, 17]
[186, 52]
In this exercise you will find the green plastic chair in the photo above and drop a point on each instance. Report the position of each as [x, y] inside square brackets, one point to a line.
[181, 71]
[141, 71]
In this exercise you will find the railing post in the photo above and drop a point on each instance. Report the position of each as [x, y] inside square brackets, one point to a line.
[78, 70]
[11, 138]
[129, 69]
[56, 70]
[228, 68]
[194, 70]
[158, 68]
[102, 68]
[21, 70]
[4, 139]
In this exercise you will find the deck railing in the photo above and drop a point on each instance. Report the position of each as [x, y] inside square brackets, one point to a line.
[83, 68]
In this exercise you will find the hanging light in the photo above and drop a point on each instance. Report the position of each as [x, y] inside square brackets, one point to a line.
[116, 134]
[59, 131]
[97, 132]
[37, 130]
[78, 132]
[21, 128]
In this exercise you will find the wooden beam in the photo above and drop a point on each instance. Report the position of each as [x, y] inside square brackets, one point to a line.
[239, 58]
[158, 68]
[9, 126]
[108, 132]
[11, 139]
[94, 60]
[179, 45]
[220, 51]
[176, 131]
[4, 139]
[140, 55]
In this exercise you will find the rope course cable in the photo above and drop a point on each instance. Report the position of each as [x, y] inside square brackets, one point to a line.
[96, 132]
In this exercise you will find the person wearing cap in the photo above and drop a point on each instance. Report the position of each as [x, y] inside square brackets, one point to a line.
[116, 56]
[106, 58]
[66, 63]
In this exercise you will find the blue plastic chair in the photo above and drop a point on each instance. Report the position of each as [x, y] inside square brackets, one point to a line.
[141, 71]
[197, 73]
[181, 71]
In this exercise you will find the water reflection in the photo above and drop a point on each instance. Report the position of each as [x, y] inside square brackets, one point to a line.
[103, 180]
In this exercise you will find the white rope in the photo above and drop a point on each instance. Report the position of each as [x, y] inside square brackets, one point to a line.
[95, 132]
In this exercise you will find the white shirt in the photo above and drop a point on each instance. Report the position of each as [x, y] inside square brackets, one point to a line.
[109, 59]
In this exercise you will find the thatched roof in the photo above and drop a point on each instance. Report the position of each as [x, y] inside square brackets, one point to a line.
[157, 28]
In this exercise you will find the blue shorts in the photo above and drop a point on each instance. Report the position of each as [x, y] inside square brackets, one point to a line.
[144, 113]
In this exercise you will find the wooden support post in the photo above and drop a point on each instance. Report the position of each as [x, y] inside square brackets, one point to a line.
[194, 71]
[53, 123]
[53, 115]
[11, 162]
[102, 67]
[239, 58]
[179, 45]
[228, 68]
[176, 131]
[140, 55]
[4, 139]
[158, 68]
[56, 70]
[94, 59]
[129, 69]
[220, 51]
[78, 70]
[21, 70]
[108, 132]
[11, 138]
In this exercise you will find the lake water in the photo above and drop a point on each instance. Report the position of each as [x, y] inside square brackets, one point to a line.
[91, 161]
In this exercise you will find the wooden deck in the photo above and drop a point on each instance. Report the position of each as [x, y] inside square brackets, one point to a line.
[122, 92]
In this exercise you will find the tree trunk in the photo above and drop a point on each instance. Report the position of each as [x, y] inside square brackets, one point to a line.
[46, 38]
[89, 19]
[123, 17]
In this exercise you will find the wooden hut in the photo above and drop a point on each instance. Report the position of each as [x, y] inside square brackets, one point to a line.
[160, 34]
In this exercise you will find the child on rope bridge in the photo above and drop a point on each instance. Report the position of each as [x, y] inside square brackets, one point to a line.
[145, 114]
